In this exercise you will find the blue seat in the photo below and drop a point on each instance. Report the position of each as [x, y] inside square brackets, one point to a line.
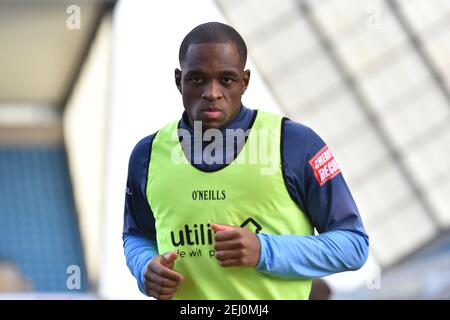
[38, 224]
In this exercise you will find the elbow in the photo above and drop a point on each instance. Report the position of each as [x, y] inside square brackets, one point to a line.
[361, 254]
[358, 263]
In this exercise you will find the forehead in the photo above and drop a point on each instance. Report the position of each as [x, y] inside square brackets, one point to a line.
[212, 55]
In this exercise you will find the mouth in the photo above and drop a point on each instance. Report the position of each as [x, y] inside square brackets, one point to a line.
[211, 112]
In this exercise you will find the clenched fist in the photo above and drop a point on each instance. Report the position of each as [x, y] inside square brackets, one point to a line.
[160, 281]
[236, 246]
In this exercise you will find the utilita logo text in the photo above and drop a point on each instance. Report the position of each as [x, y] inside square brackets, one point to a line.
[198, 235]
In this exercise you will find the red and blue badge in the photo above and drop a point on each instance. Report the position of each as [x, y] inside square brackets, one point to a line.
[324, 165]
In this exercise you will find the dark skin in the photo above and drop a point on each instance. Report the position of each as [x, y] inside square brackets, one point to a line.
[211, 82]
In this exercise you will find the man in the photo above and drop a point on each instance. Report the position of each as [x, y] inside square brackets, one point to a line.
[205, 220]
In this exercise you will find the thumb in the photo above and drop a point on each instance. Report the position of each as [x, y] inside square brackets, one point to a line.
[221, 227]
[168, 258]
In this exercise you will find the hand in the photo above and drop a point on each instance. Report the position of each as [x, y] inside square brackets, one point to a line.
[236, 246]
[160, 281]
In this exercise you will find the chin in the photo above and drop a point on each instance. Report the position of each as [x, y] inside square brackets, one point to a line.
[212, 125]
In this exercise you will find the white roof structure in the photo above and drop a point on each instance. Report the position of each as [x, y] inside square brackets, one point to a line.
[373, 79]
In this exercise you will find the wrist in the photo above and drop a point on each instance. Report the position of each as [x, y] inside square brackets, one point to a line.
[262, 251]
[142, 276]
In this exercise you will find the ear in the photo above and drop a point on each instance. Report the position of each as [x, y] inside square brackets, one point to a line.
[178, 79]
[245, 80]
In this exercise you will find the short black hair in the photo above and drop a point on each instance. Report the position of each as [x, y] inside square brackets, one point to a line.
[213, 32]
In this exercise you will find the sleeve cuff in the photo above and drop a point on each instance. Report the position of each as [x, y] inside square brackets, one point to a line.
[262, 254]
[141, 278]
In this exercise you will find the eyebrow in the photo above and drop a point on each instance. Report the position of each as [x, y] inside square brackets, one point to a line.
[194, 72]
[229, 72]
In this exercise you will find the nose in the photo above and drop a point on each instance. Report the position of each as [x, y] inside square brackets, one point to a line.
[212, 91]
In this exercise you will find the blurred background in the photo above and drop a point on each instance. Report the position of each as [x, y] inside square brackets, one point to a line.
[82, 81]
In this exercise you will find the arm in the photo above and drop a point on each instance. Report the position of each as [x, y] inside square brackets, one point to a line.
[342, 243]
[291, 256]
[152, 271]
[312, 256]
[139, 251]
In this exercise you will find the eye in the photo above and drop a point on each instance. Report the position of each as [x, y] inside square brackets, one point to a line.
[227, 80]
[196, 79]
